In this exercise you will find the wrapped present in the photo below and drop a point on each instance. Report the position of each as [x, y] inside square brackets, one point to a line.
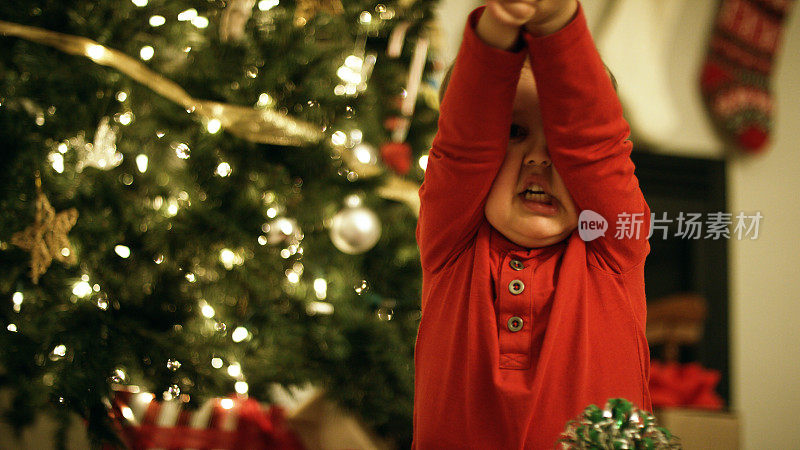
[684, 385]
[220, 423]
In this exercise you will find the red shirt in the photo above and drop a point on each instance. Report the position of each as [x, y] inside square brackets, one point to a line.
[478, 384]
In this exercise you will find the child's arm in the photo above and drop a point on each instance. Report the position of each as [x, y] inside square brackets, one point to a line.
[470, 145]
[588, 138]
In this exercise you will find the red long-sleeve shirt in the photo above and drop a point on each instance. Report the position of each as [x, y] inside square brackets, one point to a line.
[480, 385]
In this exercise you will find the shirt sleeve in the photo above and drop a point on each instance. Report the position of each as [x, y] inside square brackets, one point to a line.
[469, 146]
[587, 138]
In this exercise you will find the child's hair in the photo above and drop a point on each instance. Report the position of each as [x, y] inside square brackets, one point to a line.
[446, 79]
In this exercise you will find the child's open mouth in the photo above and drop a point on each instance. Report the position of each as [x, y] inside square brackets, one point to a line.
[538, 201]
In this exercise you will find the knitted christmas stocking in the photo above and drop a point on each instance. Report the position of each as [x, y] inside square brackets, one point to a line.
[735, 80]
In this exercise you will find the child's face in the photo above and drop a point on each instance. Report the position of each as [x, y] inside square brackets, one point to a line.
[527, 219]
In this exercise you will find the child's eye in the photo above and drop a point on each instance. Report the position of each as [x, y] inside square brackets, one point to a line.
[518, 132]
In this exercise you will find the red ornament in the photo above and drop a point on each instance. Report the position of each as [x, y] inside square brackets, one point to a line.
[397, 155]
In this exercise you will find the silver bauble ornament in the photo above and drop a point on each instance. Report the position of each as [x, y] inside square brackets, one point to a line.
[355, 230]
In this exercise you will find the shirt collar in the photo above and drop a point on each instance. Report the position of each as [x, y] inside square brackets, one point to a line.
[504, 245]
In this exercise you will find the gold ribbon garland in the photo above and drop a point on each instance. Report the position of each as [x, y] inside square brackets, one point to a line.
[264, 126]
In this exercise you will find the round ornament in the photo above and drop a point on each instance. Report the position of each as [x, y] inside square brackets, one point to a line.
[355, 230]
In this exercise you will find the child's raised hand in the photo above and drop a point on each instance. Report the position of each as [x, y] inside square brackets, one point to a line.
[550, 16]
[513, 13]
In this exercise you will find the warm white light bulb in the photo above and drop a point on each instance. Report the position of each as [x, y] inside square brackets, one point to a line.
[227, 257]
[126, 118]
[266, 5]
[224, 169]
[147, 52]
[157, 21]
[82, 289]
[207, 310]
[338, 138]
[213, 126]
[172, 208]
[187, 15]
[363, 154]
[235, 370]
[321, 288]
[200, 22]
[264, 100]
[122, 251]
[319, 308]
[127, 413]
[352, 201]
[57, 161]
[241, 387]
[96, 52]
[141, 163]
[239, 334]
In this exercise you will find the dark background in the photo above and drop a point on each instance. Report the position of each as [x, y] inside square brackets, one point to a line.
[673, 184]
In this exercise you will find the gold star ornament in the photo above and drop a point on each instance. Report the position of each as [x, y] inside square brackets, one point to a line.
[46, 239]
[307, 9]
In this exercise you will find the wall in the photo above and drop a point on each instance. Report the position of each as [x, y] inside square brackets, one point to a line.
[765, 287]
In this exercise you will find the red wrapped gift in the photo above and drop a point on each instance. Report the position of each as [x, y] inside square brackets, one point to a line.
[220, 423]
[684, 385]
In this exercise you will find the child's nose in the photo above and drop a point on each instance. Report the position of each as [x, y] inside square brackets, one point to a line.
[537, 157]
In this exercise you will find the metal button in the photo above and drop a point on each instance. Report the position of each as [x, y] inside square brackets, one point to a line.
[516, 286]
[515, 324]
[516, 265]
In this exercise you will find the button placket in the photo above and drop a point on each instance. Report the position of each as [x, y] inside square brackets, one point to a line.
[515, 313]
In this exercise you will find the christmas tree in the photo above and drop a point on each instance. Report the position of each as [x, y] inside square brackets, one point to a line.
[204, 196]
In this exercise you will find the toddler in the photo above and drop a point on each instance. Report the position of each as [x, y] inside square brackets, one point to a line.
[524, 323]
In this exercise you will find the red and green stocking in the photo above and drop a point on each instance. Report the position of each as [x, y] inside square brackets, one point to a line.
[736, 75]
